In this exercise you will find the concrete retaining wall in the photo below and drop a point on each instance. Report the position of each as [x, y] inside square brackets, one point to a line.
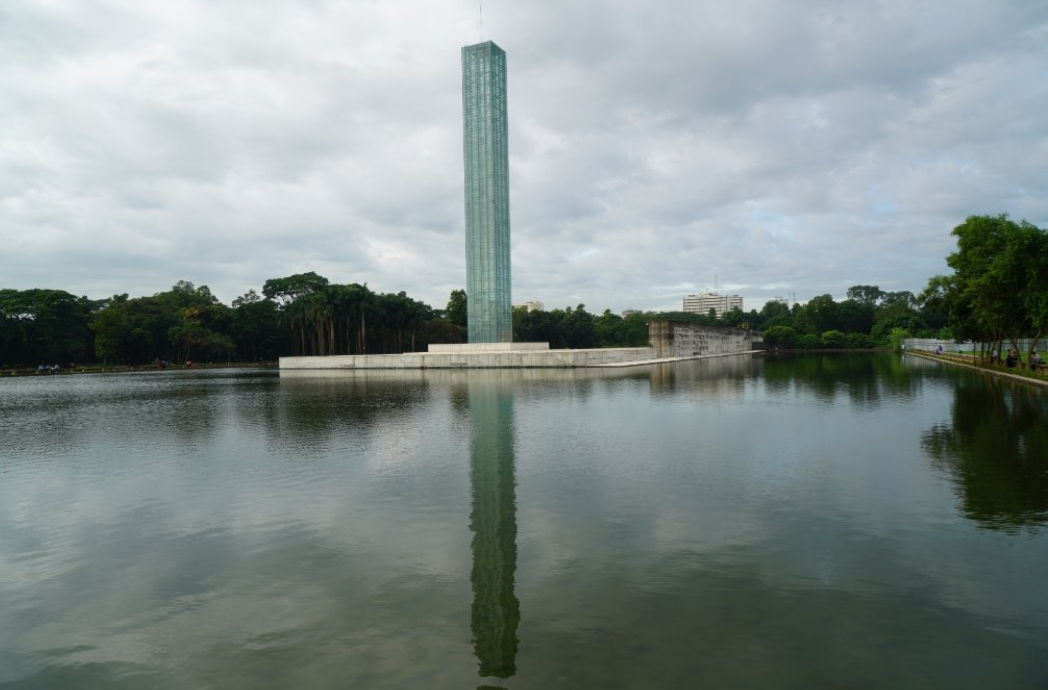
[522, 359]
[679, 339]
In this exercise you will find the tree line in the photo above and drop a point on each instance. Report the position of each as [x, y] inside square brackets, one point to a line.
[303, 314]
[996, 294]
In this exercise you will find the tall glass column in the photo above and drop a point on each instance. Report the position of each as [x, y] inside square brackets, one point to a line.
[486, 153]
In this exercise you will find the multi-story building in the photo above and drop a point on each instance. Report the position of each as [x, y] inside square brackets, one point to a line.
[534, 305]
[704, 301]
[486, 154]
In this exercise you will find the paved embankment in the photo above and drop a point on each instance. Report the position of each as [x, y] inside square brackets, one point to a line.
[946, 359]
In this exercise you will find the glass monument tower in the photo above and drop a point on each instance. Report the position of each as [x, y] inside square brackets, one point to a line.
[486, 152]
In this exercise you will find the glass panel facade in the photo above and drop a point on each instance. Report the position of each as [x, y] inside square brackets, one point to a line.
[486, 153]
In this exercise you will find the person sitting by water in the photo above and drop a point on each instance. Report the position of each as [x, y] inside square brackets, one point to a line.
[1037, 362]
[938, 350]
[1011, 360]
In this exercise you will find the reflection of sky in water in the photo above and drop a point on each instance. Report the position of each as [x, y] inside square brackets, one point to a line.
[765, 523]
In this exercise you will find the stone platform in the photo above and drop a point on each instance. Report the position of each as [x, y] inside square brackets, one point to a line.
[459, 357]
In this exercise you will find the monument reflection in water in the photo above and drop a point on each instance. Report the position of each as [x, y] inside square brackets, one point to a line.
[493, 521]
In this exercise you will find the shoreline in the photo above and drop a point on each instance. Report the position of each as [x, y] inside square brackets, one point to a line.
[948, 359]
[8, 372]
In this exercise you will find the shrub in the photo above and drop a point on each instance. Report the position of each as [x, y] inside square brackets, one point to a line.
[809, 341]
[857, 341]
[833, 339]
[780, 336]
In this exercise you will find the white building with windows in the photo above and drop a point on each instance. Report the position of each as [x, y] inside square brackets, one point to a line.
[704, 301]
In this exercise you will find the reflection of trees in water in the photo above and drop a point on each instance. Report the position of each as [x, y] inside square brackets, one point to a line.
[866, 379]
[996, 450]
[493, 521]
[60, 414]
[309, 410]
[716, 375]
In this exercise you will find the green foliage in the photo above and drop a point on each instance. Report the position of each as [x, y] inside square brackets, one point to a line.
[896, 336]
[866, 295]
[780, 336]
[109, 325]
[441, 331]
[997, 292]
[822, 311]
[457, 309]
[773, 313]
[256, 328]
[287, 290]
[735, 318]
[43, 327]
[996, 267]
[854, 316]
[834, 340]
[857, 341]
[808, 341]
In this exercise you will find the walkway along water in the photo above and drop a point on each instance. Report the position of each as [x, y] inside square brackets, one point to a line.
[952, 359]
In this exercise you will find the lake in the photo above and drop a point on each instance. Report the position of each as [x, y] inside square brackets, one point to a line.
[794, 521]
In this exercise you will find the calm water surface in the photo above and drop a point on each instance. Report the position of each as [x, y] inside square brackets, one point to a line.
[825, 521]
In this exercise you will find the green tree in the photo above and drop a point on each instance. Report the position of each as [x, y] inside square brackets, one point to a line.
[866, 295]
[775, 313]
[991, 268]
[854, 316]
[896, 337]
[610, 329]
[44, 326]
[299, 313]
[834, 340]
[457, 309]
[110, 327]
[578, 328]
[780, 336]
[822, 311]
[255, 327]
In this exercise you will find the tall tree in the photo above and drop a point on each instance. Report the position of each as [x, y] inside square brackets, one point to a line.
[456, 311]
[995, 261]
[868, 295]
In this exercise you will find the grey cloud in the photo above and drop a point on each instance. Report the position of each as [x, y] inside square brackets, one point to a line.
[652, 146]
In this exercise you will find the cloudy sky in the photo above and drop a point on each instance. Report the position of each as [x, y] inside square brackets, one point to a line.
[657, 149]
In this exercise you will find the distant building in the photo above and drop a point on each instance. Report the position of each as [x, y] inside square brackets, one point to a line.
[530, 306]
[704, 301]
